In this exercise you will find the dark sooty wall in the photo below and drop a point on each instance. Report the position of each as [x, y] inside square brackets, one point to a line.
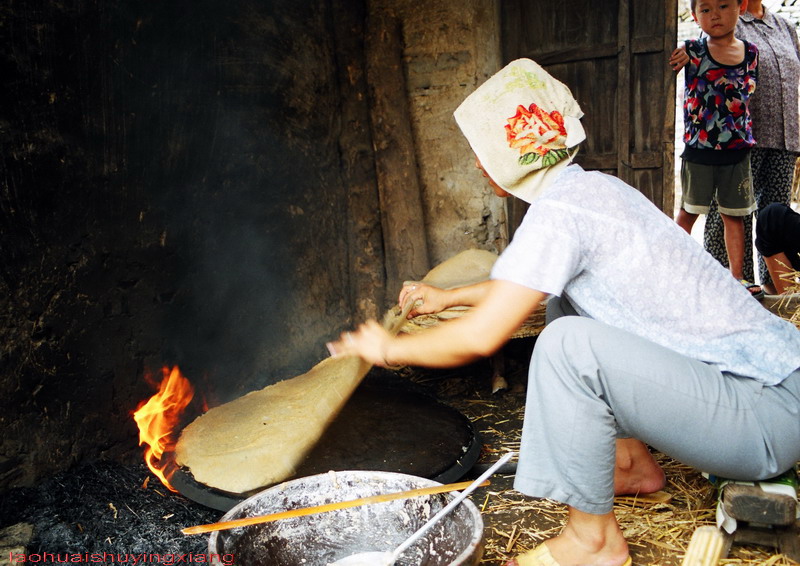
[169, 194]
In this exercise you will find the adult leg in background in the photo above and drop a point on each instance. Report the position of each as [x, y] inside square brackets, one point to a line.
[775, 176]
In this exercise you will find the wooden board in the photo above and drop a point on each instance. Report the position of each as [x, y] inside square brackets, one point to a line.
[613, 56]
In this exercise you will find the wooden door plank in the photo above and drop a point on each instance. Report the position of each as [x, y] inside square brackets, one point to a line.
[363, 225]
[615, 62]
[667, 203]
[623, 91]
[401, 207]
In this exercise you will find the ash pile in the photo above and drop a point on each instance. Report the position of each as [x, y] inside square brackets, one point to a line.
[105, 512]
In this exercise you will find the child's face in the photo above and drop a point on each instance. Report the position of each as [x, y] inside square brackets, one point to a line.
[716, 17]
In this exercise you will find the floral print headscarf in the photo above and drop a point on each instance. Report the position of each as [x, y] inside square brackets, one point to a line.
[519, 123]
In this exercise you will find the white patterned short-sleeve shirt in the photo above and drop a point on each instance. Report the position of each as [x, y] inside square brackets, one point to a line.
[623, 262]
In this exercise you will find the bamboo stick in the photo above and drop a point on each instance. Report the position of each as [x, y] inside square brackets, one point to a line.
[247, 521]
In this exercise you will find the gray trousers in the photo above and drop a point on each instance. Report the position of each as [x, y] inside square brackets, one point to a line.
[590, 383]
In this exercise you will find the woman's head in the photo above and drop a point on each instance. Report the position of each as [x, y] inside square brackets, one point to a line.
[521, 123]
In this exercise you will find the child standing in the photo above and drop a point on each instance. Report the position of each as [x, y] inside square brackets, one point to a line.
[720, 77]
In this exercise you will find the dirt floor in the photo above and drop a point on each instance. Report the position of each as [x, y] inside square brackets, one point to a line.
[106, 507]
[657, 534]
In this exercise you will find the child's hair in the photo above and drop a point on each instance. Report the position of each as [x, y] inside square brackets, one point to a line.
[693, 4]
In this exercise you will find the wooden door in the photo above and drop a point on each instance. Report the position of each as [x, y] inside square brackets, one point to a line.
[613, 56]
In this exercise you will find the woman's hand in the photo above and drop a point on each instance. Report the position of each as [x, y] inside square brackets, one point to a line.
[678, 58]
[429, 299]
[369, 342]
[500, 307]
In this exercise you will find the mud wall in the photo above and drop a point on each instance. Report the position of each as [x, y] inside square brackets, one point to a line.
[170, 193]
[192, 184]
[450, 49]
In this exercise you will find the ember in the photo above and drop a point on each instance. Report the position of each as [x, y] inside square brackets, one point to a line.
[158, 420]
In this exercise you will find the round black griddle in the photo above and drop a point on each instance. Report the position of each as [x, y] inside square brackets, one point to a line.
[390, 425]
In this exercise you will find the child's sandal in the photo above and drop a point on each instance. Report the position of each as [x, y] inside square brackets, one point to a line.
[755, 290]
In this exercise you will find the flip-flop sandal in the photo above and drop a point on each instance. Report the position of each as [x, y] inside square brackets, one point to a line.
[755, 290]
[643, 499]
[540, 556]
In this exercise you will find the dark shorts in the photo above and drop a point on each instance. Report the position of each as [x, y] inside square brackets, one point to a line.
[730, 184]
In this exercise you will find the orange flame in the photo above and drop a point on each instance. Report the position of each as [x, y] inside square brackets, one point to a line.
[158, 419]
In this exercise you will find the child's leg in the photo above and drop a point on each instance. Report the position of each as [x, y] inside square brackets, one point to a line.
[686, 220]
[735, 199]
[697, 181]
[734, 243]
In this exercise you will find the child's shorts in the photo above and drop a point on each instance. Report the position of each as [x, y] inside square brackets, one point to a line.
[731, 184]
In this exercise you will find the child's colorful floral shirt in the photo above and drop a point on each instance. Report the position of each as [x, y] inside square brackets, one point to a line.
[715, 107]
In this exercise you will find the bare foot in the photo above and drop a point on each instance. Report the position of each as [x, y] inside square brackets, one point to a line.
[636, 470]
[586, 539]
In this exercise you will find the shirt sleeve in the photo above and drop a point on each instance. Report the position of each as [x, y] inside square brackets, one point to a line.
[545, 252]
[792, 33]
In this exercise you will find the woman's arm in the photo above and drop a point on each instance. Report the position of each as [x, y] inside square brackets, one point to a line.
[501, 308]
[778, 265]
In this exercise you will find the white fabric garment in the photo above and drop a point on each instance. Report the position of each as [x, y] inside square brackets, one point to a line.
[622, 261]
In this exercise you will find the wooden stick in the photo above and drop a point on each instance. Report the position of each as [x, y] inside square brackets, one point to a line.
[247, 521]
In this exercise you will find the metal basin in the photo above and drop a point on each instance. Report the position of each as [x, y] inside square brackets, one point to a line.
[316, 540]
